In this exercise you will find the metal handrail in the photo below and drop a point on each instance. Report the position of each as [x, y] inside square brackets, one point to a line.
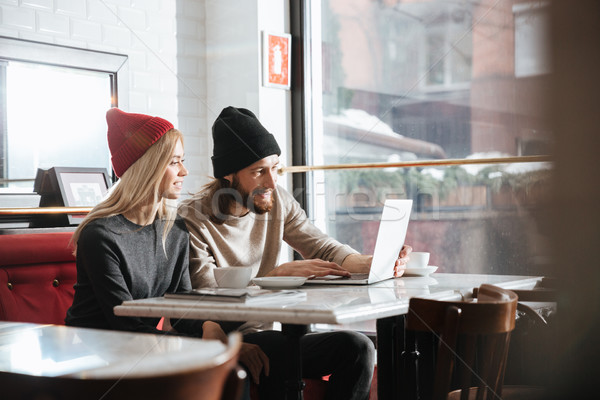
[306, 168]
[418, 163]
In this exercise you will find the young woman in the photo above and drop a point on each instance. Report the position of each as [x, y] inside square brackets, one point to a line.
[132, 245]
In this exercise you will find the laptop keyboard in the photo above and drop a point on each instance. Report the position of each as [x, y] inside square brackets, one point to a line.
[358, 277]
[355, 277]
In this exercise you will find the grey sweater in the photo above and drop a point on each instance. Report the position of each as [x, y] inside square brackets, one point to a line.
[118, 260]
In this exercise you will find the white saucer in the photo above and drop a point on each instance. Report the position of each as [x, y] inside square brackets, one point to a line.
[279, 282]
[420, 271]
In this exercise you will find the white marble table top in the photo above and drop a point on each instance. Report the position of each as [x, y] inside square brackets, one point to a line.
[53, 350]
[330, 304]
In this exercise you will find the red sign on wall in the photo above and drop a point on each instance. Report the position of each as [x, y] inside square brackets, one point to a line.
[276, 60]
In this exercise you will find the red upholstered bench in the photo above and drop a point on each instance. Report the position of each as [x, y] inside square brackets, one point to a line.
[37, 274]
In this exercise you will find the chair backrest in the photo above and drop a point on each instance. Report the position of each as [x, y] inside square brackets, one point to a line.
[459, 344]
[207, 383]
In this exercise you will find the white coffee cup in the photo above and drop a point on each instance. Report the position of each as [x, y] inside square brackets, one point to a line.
[418, 259]
[233, 277]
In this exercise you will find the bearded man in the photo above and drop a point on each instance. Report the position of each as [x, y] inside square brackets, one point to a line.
[241, 218]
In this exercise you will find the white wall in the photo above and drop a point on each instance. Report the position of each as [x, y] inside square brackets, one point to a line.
[233, 64]
[234, 74]
[187, 58]
[191, 95]
[275, 104]
[231, 59]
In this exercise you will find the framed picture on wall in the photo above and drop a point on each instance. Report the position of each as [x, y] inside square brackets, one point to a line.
[82, 188]
[276, 63]
[72, 187]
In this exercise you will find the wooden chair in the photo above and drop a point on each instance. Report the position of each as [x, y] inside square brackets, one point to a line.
[533, 341]
[461, 345]
[218, 381]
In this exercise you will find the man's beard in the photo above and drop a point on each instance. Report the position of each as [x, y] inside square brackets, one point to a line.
[254, 206]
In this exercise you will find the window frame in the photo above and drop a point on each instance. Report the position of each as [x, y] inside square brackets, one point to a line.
[28, 51]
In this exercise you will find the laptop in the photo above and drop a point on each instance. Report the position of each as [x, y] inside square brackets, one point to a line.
[390, 239]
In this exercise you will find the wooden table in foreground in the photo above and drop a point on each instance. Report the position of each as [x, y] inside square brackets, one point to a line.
[386, 302]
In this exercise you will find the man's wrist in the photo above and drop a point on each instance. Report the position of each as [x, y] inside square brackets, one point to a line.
[357, 262]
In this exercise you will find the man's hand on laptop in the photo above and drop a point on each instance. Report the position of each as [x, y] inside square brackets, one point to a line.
[400, 264]
[309, 268]
[362, 263]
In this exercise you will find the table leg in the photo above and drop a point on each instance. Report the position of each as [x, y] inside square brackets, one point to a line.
[293, 380]
[390, 345]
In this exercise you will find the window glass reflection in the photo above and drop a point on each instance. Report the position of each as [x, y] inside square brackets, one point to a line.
[55, 117]
[467, 76]
[433, 80]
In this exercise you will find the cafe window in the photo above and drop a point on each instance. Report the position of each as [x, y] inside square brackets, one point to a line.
[457, 88]
[53, 106]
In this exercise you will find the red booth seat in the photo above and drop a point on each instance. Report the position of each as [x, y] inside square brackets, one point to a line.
[37, 274]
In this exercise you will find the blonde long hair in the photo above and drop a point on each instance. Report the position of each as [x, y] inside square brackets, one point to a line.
[138, 186]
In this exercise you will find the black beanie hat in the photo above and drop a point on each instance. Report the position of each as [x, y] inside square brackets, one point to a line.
[239, 141]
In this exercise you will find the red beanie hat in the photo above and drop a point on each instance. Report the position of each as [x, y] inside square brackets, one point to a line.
[130, 135]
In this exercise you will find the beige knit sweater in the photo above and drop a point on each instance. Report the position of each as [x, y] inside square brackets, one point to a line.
[253, 240]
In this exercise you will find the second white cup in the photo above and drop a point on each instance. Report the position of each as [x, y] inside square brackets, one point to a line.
[418, 259]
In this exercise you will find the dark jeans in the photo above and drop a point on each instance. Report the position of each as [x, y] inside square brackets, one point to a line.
[349, 357]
